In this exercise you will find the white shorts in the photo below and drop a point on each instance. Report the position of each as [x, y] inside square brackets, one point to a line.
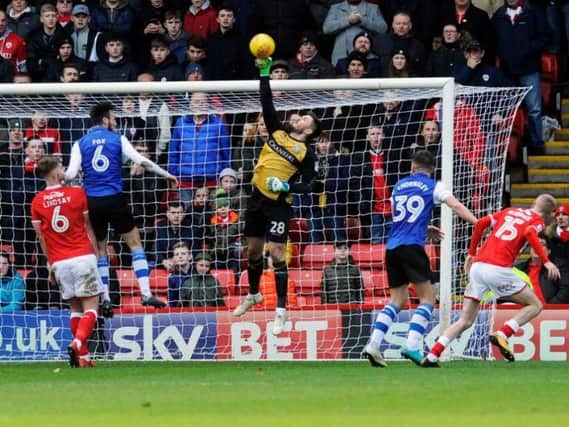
[502, 281]
[78, 277]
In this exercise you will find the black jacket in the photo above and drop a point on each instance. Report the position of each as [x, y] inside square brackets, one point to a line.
[228, 57]
[121, 71]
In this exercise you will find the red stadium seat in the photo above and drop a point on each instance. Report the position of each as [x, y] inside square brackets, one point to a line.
[130, 302]
[294, 255]
[298, 230]
[317, 255]
[232, 301]
[380, 283]
[306, 301]
[368, 256]
[243, 287]
[159, 280]
[307, 281]
[128, 282]
[226, 279]
[549, 67]
[433, 254]
[367, 277]
[353, 229]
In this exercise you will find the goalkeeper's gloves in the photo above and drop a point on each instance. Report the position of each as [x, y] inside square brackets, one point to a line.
[275, 185]
[264, 66]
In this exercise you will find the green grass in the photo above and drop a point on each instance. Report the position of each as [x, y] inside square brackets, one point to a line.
[460, 394]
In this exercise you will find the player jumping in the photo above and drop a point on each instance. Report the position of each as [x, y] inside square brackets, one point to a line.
[99, 153]
[285, 159]
[414, 198]
[491, 270]
[61, 221]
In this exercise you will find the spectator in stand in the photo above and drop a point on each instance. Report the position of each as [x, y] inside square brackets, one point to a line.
[520, 40]
[369, 185]
[65, 56]
[558, 239]
[476, 72]
[308, 63]
[399, 65]
[114, 66]
[400, 38]
[279, 70]
[194, 72]
[35, 150]
[43, 42]
[489, 6]
[22, 77]
[199, 148]
[176, 36]
[12, 286]
[114, 16]
[357, 66]
[136, 129]
[449, 57]
[200, 214]
[557, 13]
[49, 135]
[348, 19]
[76, 122]
[534, 274]
[12, 46]
[228, 186]
[227, 53]
[284, 21]
[224, 235]
[87, 43]
[245, 155]
[201, 289]
[200, 19]
[22, 18]
[148, 25]
[329, 208]
[63, 8]
[362, 45]
[470, 20]
[164, 65]
[196, 51]
[342, 281]
[176, 228]
[181, 271]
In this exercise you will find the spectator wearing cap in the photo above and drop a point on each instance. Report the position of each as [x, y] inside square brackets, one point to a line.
[43, 42]
[227, 53]
[342, 281]
[400, 38]
[472, 20]
[362, 45]
[164, 65]
[476, 72]
[284, 21]
[64, 8]
[114, 66]
[202, 289]
[520, 35]
[229, 186]
[194, 72]
[357, 65]
[65, 55]
[399, 65]
[176, 36]
[88, 44]
[449, 57]
[224, 235]
[308, 63]
[279, 70]
[558, 238]
[12, 49]
[349, 18]
[22, 18]
[114, 16]
[200, 19]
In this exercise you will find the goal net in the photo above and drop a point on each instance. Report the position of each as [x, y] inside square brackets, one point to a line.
[209, 134]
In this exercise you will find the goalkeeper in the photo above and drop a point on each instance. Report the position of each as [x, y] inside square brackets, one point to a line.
[286, 165]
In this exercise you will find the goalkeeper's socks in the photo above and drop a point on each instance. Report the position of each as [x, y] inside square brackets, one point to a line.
[254, 271]
[281, 283]
[85, 326]
[103, 266]
[438, 348]
[509, 328]
[383, 322]
[140, 266]
[74, 319]
[419, 322]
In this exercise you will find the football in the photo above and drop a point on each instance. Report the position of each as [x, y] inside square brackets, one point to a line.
[262, 46]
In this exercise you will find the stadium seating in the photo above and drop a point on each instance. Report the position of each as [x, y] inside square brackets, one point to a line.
[307, 281]
[317, 255]
[159, 281]
[368, 255]
[298, 230]
[226, 279]
[549, 77]
[243, 286]
[353, 229]
[128, 282]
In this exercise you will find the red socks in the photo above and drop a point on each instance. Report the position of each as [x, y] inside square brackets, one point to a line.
[85, 328]
[437, 349]
[507, 330]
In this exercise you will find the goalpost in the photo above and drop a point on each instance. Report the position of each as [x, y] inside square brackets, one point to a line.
[471, 134]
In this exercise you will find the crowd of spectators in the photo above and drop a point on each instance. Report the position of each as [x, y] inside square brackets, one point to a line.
[364, 151]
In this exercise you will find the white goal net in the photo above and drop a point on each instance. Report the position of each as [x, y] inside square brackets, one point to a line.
[209, 135]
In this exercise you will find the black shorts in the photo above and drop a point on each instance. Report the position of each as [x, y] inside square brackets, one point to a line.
[113, 210]
[407, 264]
[267, 218]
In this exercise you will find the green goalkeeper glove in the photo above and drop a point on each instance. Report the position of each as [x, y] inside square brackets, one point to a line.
[275, 185]
[264, 66]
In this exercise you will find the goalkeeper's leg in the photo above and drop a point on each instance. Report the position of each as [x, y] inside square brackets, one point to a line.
[281, 280]
[254, 271]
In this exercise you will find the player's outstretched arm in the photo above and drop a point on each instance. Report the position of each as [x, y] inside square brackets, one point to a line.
[74, 163]
[461, 210]
[269, 113]
[133, 155]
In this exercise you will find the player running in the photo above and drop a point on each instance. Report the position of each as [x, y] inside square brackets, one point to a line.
[413, 201]
[99, 153]
[491, 270]
[61, 221]
[285, 159]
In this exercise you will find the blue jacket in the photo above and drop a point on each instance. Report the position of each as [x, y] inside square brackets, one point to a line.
[12, 291]
[119, 20]
[519, 46]
[175, 282]
[197, 155]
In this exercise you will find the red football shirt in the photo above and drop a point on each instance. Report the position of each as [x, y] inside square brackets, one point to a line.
[60, 211]
[13, 48]
[508, 235]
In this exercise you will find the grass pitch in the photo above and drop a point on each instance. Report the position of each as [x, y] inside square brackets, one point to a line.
[460, 394]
